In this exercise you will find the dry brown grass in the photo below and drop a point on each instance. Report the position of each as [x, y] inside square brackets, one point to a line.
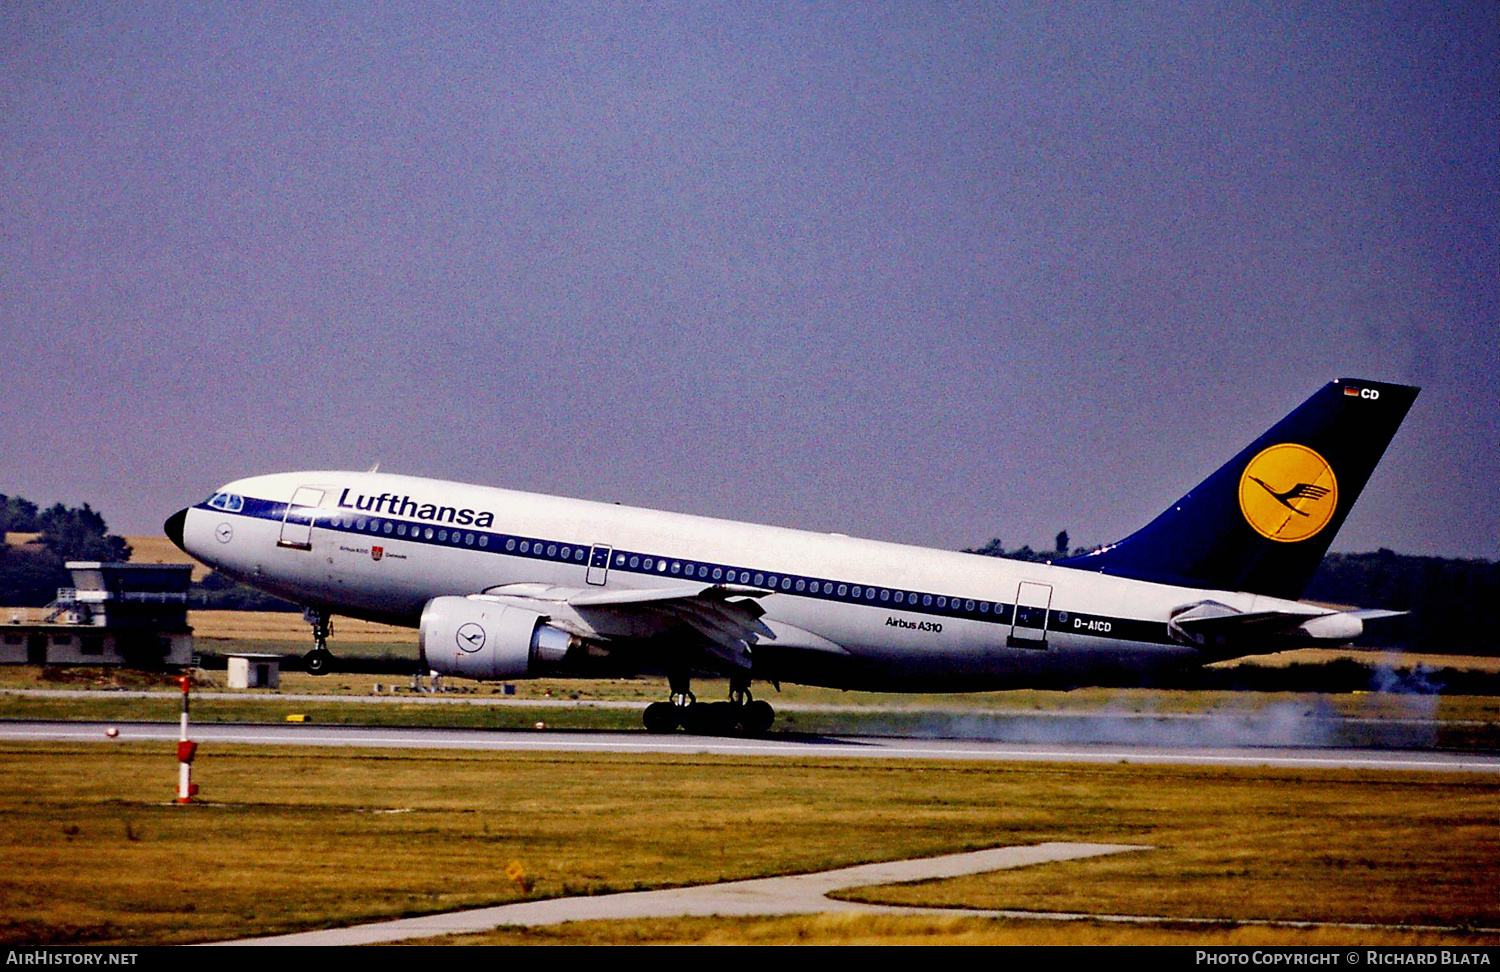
[1366, 656]
[160, 550]
[844, 929]
[289, 627]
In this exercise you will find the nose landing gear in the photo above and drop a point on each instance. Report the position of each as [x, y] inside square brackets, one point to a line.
[319, 661]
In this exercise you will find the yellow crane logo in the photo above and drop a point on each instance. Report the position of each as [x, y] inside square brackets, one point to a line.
[1288, 493]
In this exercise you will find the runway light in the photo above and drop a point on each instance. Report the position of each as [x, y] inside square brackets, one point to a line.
[540, 725]
[111, 732]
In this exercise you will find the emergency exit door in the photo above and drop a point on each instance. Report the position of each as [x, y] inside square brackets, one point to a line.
[296, 523]
[1028, 628]
[599, 563]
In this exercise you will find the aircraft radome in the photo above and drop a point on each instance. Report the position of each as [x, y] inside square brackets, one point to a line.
[509, 585]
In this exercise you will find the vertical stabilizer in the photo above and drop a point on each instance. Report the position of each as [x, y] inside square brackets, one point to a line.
[1264, 520]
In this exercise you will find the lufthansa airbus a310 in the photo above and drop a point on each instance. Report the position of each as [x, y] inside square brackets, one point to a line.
[509, 585]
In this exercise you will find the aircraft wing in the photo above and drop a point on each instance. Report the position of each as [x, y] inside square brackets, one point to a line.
[725, 617]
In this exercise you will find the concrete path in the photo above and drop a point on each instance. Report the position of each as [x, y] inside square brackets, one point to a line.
[796, 895]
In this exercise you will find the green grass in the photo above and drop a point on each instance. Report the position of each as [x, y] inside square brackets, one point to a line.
[291, 838]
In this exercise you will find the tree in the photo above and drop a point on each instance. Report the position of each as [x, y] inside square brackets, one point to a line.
[992, 549]
[80, 534]
[1062, 543]
[17, 515]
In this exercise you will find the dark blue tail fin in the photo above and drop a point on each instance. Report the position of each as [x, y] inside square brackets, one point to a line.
[1263, 521]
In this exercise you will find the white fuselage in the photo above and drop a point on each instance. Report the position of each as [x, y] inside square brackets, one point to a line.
[846, 612]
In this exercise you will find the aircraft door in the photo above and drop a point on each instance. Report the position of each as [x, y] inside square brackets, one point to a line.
[1028, 629]
[296, 523]
[599, 563]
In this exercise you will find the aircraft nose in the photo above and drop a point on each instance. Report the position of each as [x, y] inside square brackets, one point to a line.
[173, 526]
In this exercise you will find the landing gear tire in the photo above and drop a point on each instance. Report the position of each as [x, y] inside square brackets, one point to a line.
[718, 718]
[695, 721]
[319, 661]
[660, 717]
[756, 717]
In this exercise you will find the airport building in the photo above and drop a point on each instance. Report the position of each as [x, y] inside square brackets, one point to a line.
[131, 615]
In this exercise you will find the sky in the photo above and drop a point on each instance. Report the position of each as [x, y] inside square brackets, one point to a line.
[924, 272]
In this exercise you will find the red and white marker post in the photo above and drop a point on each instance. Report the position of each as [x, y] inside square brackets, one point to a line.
[186, 788]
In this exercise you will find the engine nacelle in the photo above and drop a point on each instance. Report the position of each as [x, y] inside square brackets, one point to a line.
[482, 639]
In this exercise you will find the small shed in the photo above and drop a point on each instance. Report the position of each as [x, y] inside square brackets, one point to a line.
[249, 670]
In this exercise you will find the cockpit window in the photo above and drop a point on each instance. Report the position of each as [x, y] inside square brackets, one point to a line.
[228, 502]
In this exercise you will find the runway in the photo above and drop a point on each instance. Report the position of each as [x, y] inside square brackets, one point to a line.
[775, 745]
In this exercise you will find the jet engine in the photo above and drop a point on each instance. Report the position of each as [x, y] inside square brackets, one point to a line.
[483, 639]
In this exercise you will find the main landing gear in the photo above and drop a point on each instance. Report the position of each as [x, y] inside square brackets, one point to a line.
[741, 713]
[319, 661]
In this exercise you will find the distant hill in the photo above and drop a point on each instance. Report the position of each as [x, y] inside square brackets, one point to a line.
[160, 550]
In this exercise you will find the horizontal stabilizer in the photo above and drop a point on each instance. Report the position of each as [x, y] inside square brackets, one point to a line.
[1221, 629]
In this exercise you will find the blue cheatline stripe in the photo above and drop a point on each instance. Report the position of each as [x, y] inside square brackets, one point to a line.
[655, 565]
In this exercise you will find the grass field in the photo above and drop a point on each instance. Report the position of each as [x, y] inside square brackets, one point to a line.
[291, 839]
